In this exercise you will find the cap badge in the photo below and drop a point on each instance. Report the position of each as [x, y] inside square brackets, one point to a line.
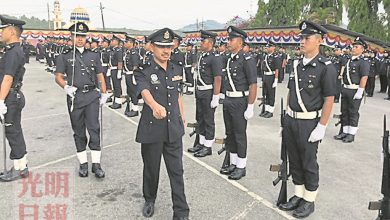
[166, 35]
[304, 26]
[81, 27]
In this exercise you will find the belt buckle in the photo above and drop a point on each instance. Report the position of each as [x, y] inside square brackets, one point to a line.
[85, 89]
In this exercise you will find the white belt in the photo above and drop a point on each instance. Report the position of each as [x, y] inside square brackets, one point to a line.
[237, 94]
[188, 66]
[104, 64]
[114, 68]
[206, 87]
[269, 73]
[303, 115]
[129, 72]
[352, 86]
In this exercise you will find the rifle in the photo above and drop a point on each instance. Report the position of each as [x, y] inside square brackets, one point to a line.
[339, 122]
[281, 168]
[194, 127]
[226, 161]
[262, 99]
[383, 205]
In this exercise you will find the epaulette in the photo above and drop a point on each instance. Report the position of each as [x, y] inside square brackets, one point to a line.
[247, 56]
[325, 61]
[65, 51]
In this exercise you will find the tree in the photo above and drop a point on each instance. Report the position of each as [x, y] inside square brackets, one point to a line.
[324, 11]
[363, 18]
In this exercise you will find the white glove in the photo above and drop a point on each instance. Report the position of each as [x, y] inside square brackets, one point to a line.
[104, 97]
[249, 112]
[318, 133]
[215, 101]
[70, 90]
[359, 93]
[275, 83]
[119, 74]
[192, 70]
[108, 72]
[3, 109]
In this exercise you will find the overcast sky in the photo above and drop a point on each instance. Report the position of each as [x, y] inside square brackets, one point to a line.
[138, 14]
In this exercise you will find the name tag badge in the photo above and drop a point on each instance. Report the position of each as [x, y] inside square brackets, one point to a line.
[177, 78]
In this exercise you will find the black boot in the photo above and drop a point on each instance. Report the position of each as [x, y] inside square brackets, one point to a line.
[228, 170]
[83, 171]
[305, 209]
[268, 115]
[115, 106]
[237, 174]
[98, 171]
[205, 151]
[109, 100]
[13, 174]
[131, 113]
[349, 138]
[263, 113]
[292, 204]
[388, 98]
[340, 136]
[195, 149]
[148, 209]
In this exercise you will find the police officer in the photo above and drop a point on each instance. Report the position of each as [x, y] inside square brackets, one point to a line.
[40, 51]
[310, 101]
[240, 82]
[224, 54]
[115, 71]
[386, 60]
[161, 126]
[354, 79]
[105, 60]
[208, 87]
[283, 62]
[26, 49]
[11, 98]
[148, 52]
[339, 64]
[189, 68]
[94, 45]
[370, 57]
[84, 74]
[131, 61]
[270, 79]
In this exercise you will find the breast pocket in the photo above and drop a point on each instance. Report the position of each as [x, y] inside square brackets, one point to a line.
[311, 83]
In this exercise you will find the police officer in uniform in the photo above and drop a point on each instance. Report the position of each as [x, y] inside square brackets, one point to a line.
[339, 64]
[105, 60]
[94, 45]
[84, 76]
[11, 98]
[370, 57]
[310, 101]
[161, 126]
[224, 54]
[130, 63]
[189, 68]
[208, 87]
[386, 60]
[270, 79]
[354, 80]
[115, 71]
[240, 83]
[40, 51]
[148, 56]
[26, 49]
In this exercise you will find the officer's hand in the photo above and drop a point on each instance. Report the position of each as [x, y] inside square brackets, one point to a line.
[70, 90]
[108, 72]
[359, 93]
[3, 109]
[119, 74]
[192, 70]
[340, 76]
[275, 83]
[318, 133]
[159, 112]
[104, 97]
[249, 112]
[215, 101]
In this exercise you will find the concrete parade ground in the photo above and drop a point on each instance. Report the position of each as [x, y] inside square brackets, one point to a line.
[350, 174]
